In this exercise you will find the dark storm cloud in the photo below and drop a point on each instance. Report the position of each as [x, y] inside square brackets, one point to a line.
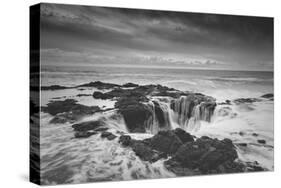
[131, 36]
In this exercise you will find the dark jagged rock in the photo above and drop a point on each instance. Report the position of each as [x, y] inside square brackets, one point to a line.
[131, 104]
[130, 85]
[139, 91]
[134, 112]
[165, 141]
[100, 95]
[268, 96]
[183, 136]
[87, 126]
[108, 135]
[99, 85]
[68, 105]
[115, 93]
[179, 170]
[144, 152]
[141, 148]
[202, 156]
[253, 167]
[68, 110]
[206, 155]
[125, 140]
[262, 141]
[54, 87]
[84, 134]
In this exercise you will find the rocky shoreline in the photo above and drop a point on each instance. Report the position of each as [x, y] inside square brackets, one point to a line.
[146, 109]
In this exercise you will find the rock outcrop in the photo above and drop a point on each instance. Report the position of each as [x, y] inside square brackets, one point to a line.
[189, 156]
[68, 110]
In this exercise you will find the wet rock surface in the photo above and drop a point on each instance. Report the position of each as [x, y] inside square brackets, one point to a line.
[108, 135]
[189, 156]
[89, 128]
[68, 110]
[84, 134]
[99, 85]
[130, 85]
[88, 125]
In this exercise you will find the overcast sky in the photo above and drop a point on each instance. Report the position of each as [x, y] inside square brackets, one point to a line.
[84, 35]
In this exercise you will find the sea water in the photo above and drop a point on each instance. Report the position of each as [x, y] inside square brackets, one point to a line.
[65, 159]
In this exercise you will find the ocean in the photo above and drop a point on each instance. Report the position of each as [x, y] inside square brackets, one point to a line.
[94, 159]
[222, 84]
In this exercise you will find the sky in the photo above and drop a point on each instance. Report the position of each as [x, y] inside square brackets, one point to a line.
[100, 36]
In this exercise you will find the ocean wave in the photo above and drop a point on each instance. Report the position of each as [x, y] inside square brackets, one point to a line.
[246, 79]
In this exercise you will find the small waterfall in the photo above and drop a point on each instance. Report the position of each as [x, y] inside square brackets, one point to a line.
[189, 111]
[185, 112]
[161, 117]
[183, 109]
[194, 121]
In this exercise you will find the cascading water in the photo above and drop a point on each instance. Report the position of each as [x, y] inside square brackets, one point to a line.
[185, 112]
[160, 118]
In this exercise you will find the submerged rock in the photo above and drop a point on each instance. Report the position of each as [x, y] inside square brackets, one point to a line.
[84, 134]
[89, 128]
[108, 135]
[88, 125]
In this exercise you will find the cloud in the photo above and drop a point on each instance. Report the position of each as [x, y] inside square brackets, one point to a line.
[213, 40]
